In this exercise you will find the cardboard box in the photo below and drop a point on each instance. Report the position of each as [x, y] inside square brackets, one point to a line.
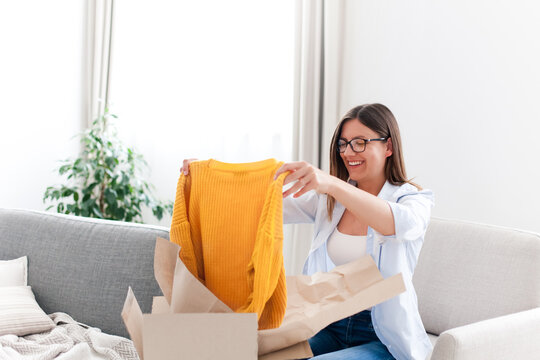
[189, 322]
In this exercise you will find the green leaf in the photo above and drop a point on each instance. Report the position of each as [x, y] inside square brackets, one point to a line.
[158, 212]
[89, 188]
[109, 160]
[63, 169]
[110, 196]
[120, 213]
[99, 174]
[125, 179]
[96, 211]
[66, 192]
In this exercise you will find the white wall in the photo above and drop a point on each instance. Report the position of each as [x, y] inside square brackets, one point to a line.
[41, 84]
[462, 79]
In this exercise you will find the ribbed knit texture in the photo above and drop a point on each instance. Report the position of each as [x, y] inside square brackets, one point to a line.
[228, 222]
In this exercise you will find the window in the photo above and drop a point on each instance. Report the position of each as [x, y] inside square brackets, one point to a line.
[204, 79]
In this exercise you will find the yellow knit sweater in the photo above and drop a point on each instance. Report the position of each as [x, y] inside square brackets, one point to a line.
[228, 222]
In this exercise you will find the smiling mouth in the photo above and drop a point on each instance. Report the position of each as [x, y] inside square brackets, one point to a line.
[355, 163]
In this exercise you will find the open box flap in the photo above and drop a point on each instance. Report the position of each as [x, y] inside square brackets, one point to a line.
[133, 319]
[165, 258]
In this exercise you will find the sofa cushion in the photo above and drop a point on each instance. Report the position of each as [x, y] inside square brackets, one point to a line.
[14, 272]
[470, 272]
[83, 266]
[20, 314]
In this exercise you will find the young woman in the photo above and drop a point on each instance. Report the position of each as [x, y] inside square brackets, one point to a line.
[365, 205]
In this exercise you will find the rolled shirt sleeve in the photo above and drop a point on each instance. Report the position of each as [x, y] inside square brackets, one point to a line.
[411, 215]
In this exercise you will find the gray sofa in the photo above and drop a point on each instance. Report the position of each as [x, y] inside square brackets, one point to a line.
[478, 285]
[83, 266]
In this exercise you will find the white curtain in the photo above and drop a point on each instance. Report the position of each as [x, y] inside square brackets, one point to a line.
[98, 57]
[318, 59]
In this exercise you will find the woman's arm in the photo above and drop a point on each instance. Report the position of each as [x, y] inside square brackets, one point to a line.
[366, 207]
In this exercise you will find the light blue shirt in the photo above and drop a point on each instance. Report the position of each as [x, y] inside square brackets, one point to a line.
[396, 321]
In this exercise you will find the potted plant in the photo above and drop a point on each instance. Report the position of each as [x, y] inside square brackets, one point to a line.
[106, 181]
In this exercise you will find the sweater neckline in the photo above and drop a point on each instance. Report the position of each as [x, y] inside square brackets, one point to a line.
[240, 167]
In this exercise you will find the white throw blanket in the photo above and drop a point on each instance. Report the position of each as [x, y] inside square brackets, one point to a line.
[68, 340]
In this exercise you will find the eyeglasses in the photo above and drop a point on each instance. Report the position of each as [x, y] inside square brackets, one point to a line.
[357, 145]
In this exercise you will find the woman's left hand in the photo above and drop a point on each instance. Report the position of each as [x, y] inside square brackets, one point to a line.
[307, 178]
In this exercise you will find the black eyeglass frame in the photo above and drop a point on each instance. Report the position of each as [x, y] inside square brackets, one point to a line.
[347, 143]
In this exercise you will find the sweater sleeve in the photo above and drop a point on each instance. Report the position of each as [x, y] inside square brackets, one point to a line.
[266, 263]
[180, 232]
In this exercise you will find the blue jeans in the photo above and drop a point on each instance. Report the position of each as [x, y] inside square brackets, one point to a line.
[350, 338]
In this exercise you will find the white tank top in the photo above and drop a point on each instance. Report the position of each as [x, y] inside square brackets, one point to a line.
[343, 248]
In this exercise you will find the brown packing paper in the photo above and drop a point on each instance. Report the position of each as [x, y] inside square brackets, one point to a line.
[302, 323]
[301, 350]
[189, 295]
[313, 303]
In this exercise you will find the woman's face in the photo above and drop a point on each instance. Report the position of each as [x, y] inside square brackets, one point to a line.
[367, 166]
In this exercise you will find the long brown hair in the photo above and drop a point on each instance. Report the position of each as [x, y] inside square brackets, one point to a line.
[380, 119]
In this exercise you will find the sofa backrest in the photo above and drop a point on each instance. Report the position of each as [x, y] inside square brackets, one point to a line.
[470, 272]
[83, 266]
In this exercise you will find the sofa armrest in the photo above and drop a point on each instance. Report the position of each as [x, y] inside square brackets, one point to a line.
[514, 336]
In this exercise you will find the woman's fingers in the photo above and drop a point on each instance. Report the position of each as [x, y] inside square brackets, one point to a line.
[297, 175]
[293, 167]
[309, 186]
[285, 167]
[293, 189]
[303, 173]
[304, 184]
[185, 165]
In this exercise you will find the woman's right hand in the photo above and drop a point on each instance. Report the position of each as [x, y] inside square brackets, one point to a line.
[185, 166]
